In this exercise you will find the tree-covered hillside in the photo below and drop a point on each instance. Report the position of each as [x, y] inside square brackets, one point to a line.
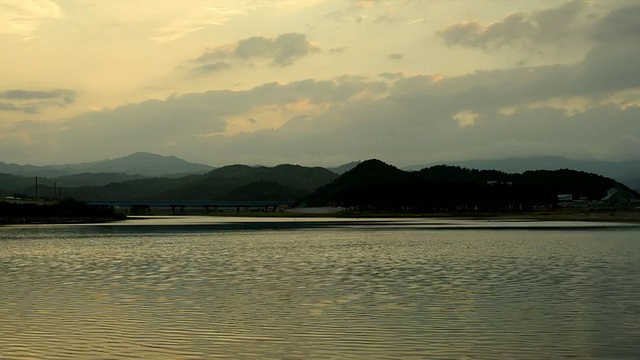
[374, 185]
[235, 182]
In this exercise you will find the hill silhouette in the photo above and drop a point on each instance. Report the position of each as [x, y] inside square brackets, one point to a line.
[375, 185]
[623, 171]
[234, 182]
[371, 184]
[140, 163]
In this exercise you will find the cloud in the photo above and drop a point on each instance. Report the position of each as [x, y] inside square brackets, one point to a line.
[30, 101]
[14, 107]
[374, 11]
[204, 17]
[585, 109]
[364, 4]
[550, 25]
[219, 13]
[212, 67]
[416, 21]
[466, 118]
[21, 18]
[281, 51]
[338, 50]
[66, 96]
[612, 62]
[405, 120]
[395, 56]
[191, 119]
[386, 18]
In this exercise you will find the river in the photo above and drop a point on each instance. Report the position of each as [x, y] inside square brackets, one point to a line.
[282, 288]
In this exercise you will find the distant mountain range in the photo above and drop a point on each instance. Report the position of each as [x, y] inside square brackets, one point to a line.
[626, 172]
[140, 163]
[148, 177]
[234, 182]
[344, 168]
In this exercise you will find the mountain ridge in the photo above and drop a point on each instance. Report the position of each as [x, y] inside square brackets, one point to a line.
[621, 171]
[375, 185]
[139, 163]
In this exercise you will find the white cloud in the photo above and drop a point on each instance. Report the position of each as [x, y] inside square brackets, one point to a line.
[466, 118]
[207, 16]
[21, 18]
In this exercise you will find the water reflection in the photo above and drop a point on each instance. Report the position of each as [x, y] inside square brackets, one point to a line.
[338, 292]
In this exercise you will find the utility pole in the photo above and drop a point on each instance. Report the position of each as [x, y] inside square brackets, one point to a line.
[55, 191]
[36, 188]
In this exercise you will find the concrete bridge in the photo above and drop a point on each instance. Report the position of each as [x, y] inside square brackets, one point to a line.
[145, 206]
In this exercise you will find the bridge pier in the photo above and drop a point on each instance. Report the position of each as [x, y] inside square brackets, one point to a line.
[173, 208]
[207, 207]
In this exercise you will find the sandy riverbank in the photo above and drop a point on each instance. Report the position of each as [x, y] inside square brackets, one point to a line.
[629, 216]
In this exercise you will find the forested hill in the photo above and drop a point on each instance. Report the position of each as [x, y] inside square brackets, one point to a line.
[370, 185]
[376, 185]
[234, 182]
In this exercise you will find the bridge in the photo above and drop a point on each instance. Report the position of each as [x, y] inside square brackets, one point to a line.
[142, 206]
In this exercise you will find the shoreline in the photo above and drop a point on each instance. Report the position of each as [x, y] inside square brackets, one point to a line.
[626, 215]
[617, 216]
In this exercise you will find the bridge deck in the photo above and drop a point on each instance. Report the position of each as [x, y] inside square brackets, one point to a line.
[192, 203]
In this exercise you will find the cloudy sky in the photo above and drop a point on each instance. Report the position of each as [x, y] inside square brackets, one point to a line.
[319, 82]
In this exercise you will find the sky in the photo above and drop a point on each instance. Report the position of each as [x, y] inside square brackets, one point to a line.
[319, 82]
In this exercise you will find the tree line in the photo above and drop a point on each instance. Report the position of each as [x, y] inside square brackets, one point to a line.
[376, 186]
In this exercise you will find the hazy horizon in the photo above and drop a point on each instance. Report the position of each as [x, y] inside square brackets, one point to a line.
[508, 161]
[319, 82]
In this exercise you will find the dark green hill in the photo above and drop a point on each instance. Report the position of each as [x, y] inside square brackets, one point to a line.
[12, 183]
[357, 182]
[91, 179]
[220, 184]
[135, 190]
[564, 181]
[264, 191]
[620, 171]
[18, 183]
[374, 185]
[308, 178]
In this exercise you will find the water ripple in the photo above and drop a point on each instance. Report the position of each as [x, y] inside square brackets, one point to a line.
[332, 294]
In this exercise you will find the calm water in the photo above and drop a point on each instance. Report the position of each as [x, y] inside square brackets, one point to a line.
[198, 288]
